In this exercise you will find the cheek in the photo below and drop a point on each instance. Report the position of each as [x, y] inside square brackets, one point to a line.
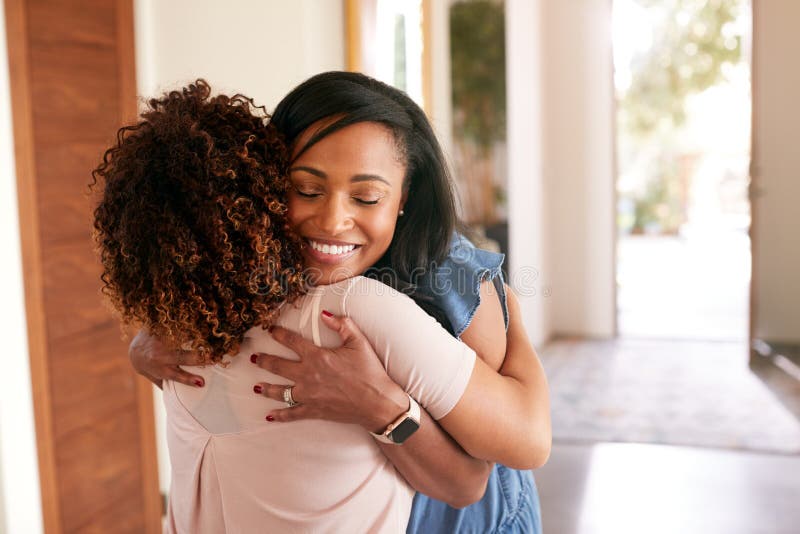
[380, 227]
[296, 212]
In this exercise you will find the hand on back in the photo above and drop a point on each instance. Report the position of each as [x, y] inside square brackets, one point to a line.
[156, 362]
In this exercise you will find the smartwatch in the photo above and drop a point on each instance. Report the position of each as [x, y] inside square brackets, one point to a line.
[401, 428]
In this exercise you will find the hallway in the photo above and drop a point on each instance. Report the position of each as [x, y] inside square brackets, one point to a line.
[669, 436]
[625, 488]
[691, 393]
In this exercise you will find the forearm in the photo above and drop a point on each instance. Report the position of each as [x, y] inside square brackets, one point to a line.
[514, 420]
[524, 374]
[512, 405]
[433, 463]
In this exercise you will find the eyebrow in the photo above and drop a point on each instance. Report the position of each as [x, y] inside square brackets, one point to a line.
[354, 179]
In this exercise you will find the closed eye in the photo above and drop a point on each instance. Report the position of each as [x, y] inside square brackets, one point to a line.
[366, 202]
[307, 195]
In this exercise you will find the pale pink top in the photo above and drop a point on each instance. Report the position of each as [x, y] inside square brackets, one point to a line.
[234, 472]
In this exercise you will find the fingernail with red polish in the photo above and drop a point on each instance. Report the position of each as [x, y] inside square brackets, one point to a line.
[253, 358]
[257, 388]
[326, 313]
[198, 382]
[270, 418]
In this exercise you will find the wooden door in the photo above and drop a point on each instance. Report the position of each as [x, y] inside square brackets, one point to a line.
[774, 187]
[72, 85]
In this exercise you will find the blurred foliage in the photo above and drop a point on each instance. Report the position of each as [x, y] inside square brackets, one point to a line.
[692, 40]
[478, 66]
[685, 58]
[661, 208]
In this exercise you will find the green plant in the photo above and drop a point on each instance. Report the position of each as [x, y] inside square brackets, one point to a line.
[691, 43]
[477, 55]
[478, 64]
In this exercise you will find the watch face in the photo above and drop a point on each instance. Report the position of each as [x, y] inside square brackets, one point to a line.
[401, 432]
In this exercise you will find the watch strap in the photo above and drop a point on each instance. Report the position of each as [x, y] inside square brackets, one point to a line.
[414, 413]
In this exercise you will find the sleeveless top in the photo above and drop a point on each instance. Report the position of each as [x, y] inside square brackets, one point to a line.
[234, 472]
[511, 501]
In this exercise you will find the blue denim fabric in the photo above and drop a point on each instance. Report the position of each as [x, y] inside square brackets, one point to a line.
[455, 283]
[509, 506]
[511, 502]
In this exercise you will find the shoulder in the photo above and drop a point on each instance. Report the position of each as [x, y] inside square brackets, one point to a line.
[455, 283]
[361, 292]
[404, 338]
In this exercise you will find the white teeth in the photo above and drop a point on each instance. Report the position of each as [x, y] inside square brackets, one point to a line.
[333, 250]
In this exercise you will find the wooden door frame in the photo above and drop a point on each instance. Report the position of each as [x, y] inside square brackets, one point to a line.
[30, 239]
[21, 112]
[752, 191]
[354, 45]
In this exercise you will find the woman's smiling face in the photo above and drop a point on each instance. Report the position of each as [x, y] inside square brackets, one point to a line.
[346, 195]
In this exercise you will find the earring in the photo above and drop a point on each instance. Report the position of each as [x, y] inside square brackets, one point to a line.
[401, 213]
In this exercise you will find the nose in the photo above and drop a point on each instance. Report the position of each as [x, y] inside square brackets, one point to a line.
[335, 216]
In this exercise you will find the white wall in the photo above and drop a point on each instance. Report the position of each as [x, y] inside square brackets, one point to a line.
[262, 48]
[20, 498]
[578, 149]
[561, 165]
[529, 269]
[776, 230]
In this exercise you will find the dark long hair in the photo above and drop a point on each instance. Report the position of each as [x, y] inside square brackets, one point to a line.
[422, 236]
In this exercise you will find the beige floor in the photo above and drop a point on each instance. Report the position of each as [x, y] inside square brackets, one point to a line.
[620, 488]
[590, 486]
[691, 393]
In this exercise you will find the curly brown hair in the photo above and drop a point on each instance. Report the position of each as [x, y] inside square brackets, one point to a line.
[191, 225]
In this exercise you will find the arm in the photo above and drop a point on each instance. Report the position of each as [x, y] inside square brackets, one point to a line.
[486, 333]
[434, 464]
[431, 461]
[500, 417]
[348, 384]
[513, 406]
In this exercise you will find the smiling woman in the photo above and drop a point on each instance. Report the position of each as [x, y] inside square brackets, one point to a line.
[361, 150]
[209, 176]
[348, 190]
[384, 134]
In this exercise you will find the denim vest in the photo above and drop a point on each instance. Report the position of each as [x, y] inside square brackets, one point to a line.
[511, 501]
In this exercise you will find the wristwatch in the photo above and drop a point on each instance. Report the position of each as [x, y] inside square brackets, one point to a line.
[401, 428]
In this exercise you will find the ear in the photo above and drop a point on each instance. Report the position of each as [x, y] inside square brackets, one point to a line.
[404, 198]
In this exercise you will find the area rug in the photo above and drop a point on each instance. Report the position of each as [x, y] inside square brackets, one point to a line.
[680, 393]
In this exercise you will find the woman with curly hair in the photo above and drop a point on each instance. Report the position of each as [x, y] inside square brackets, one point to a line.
[196, 250]
[193, 212]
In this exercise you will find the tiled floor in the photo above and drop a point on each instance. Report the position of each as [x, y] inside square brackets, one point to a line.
[692, 393]
[623, 488]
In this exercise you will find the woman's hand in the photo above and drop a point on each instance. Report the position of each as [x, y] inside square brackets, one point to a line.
[349, 384]
[346, 384]
[154, 361]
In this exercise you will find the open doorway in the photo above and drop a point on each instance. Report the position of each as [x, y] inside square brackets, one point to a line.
[682, 79]
[679, 373]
